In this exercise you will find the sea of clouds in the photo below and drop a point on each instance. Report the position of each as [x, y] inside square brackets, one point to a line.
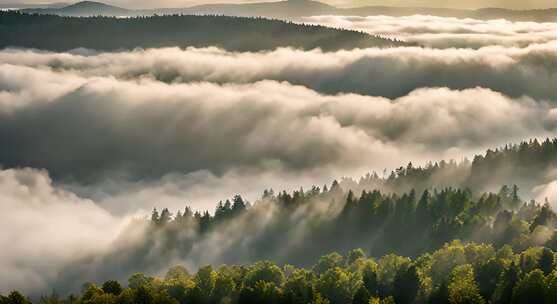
[93, 140]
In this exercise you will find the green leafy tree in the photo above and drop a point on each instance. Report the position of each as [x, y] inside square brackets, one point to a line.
[143, 295]
[16, 298]
[327, 262]
[262, 292]
[264, 271]
[205, 280]
[337, 286]
[406, 285]
[137, 280]
[551, 287]
[224, 289]
[546, 261]
[530, 289]
[298, 288]
[370, 279]
[354, 255]
[112, 287]
[462, 286]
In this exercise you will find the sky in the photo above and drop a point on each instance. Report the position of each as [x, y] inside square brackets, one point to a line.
[514, 4]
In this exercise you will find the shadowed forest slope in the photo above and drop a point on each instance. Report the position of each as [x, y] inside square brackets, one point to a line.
[231, 33]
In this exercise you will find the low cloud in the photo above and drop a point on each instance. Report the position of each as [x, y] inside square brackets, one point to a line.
[446, 32]
[390, 73]
[57, 240]
[45, 227]
[96, 127]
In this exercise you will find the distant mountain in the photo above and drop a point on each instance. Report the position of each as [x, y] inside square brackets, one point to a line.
[84, 9]
[291, 9]
[288, 8]
[232, 33]
[27, 5]
[541, 15]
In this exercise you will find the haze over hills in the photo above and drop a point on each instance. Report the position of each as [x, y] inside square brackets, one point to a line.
[298, 8]
[84, 8]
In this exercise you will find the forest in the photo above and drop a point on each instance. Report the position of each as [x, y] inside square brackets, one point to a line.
[455, 273]
[526, 164]
[56, 33]
[430, 244]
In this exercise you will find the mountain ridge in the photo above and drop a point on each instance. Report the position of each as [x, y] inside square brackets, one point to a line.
[297, 9]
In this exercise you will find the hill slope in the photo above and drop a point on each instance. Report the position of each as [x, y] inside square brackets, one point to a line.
[231, 33]
[84, 9]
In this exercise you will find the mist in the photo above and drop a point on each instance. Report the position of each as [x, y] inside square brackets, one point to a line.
[145, 128]
[446, 32]
[390, 73]
[92, 141]
[45, 227]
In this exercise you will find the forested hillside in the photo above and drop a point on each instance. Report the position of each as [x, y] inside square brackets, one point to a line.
[456, 273]
[444, 242]
[231, 33]
[526, 164]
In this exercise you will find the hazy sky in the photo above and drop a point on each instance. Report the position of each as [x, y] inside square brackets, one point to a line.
[517, 4]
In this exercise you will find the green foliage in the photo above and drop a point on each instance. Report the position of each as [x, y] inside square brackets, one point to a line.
[457, 273]
[328, 262]
[261, 292]
[137, 280]
[406, 285]
[462, 286]
[264, 272]
[437, 246]
[14, 298]
[338, 286]
[530, 289]
[178, 272]
[205, 280]
[298, 288]
[112, 287]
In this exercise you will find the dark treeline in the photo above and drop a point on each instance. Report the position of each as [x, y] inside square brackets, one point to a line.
[456, 273]
[57, 33]
[526, 164]
[334, 220]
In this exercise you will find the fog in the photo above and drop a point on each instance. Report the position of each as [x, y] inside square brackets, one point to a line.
[388, 73]
[145, 128]
[45, 227]
[446, 32]
[93, 140]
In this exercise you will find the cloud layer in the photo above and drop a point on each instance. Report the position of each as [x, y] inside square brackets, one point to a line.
[44, 228]
[446, 32]
[391, 73]
[87, 128]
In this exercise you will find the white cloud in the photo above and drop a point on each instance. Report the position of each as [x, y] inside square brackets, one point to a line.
[446, 32]
[390, 72]
[44, 228]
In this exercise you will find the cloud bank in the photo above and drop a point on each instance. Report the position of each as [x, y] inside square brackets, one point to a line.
[45, 227]
[446, 32]
[88, 128]
[391, 73]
